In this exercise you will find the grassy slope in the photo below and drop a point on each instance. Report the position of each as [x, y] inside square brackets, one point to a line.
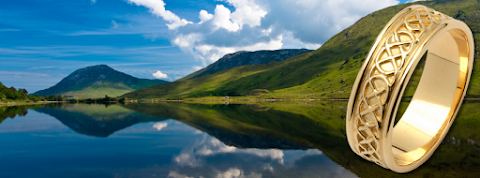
[97, 92]
[328, 72]
[109, 88]
[99, 112]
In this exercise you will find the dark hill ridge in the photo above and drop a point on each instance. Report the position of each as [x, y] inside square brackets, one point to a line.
[97, 81]
[246, 58]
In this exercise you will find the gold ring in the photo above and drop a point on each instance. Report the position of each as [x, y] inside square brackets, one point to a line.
[378, 89]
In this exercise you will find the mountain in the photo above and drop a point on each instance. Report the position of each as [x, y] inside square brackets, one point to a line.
[97, 81]
[328, 72]
[246, 58]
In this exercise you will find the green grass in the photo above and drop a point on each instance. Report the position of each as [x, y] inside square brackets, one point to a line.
[97, 92]
[328, 72]
[98, 111]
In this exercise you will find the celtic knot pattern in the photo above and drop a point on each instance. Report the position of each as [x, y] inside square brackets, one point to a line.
[392, 55]
[381, 75]
[370, 113]
[420, 19]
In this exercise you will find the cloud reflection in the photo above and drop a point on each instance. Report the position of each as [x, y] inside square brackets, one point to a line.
[160, 125]
[216, 159]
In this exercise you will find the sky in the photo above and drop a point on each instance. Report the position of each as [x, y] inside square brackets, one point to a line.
[43, 41]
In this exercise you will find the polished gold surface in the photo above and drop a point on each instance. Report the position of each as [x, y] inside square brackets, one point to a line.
[378, 89]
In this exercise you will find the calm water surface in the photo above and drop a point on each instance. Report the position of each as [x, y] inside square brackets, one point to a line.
[99, 141]
[281, 139]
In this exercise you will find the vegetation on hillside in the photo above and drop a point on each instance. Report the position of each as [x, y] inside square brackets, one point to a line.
[245, 58]
[328, 72]
[12, 94]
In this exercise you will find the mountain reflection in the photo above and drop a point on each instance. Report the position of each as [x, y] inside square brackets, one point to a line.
[279, 139]
[95, 120]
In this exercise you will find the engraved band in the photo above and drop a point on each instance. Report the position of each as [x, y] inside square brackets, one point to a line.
[376, 94]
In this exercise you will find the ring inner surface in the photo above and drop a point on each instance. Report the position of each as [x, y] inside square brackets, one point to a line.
[435, 100]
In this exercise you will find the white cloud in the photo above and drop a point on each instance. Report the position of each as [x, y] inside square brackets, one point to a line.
[94, 1]
[415, 1]
[230, 173]
[197, 68]
[157, 7]
[247, 12]
[160, 125]
[261, 24]
[174, 174]
[159, 75]
[221, 19]
[204, 16]
[237, 173]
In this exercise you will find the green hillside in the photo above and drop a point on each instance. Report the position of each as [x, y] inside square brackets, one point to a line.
[245, 58]
[328, 72]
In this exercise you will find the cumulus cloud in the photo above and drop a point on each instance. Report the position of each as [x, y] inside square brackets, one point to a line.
[157, 7]
[247, 12]
[261, 24]
[316, 21]
[204, 16]
[160, 125]
[159, 75]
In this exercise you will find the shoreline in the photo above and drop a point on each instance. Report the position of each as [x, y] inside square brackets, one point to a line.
[29, 103]
[200, 101]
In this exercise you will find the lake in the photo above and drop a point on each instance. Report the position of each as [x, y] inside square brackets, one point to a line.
[268, 139]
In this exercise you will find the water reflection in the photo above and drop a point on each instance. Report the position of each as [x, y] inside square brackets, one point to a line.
[209, 156]
[280, 139]
[95, 120]
[126, 143]
[12, 112]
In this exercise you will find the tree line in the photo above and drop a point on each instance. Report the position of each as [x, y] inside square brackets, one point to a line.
[13, 94]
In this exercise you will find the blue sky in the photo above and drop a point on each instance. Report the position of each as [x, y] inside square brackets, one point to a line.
[42, 41]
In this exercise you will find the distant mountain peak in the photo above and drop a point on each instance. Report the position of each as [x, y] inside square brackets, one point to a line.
[98, 76]
[100, 66]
